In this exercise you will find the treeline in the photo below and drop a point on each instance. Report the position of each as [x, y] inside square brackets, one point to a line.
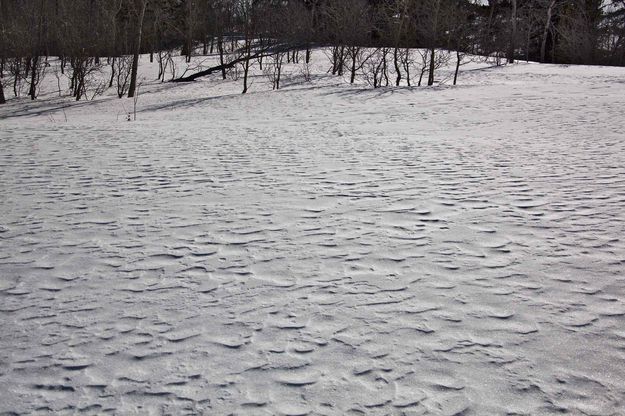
[82, 32]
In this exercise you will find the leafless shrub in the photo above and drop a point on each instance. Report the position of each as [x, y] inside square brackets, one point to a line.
[123, 67]
[306, 71]
[375, 68]
[86, 76]
[273, 71]
[166, 62]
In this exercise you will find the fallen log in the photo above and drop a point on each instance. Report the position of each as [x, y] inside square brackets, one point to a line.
[269, 51]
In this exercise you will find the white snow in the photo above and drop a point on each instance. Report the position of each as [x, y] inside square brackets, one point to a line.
[323, 249]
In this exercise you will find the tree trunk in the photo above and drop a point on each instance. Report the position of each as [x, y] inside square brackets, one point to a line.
[113, 73]
[341, 62]
[161, 68]
[18, 64]
[246, 64]
[188, 45]
[491, 15]
[433, 45]
[553, 46]
[220, 46]
[407, 66]
[354, 56]
[141, 4]
[432, 67]
[33, 78]
[80, 82]
[335, 60]
[513, 33]
[72, 83]
[458, 59]
[397, 70]
[385, 67]
[2, 99]
[527, 45]
[398, 35]
[543, 46]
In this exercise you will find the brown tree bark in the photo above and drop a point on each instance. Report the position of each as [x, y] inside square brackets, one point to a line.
[432, 67]
[112, 73]
[397, 68]
[433, 41]
[354, 52]
[458, 59]
[140, 5]
[220, 46]
[246, 63]
[188, 46]
[2, 99]
[32, 92]
[513, 33]
[543, 45]
[406, 64]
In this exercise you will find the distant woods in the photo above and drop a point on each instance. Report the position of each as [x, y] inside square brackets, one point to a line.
[369, 36]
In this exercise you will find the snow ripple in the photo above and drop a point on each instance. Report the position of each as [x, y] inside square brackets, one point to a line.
[295, 271]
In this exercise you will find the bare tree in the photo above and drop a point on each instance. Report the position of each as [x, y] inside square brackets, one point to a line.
[396, 15]
[347, 22]
[430, 13]
[140, 6]
[85, 77]
[123, 68]
[165, 62]
[245, 14]
[247, 32]
[2, 98]
[513, 32]
[3, 47]
[458, 23]
[37, 72]
[274, 71]
[407, 62]
[547, 29]
[375, 67]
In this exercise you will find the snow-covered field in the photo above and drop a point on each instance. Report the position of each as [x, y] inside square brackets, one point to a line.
[324, 249]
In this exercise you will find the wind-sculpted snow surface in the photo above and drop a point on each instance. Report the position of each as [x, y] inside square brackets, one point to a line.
[454, 251]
